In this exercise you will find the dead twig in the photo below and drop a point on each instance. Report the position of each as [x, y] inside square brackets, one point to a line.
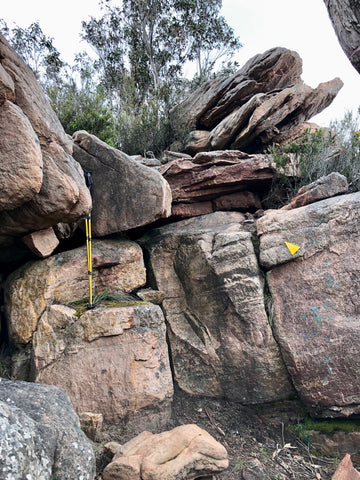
[213, 423]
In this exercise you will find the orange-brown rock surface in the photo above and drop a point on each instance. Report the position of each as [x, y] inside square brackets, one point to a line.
[40, 182]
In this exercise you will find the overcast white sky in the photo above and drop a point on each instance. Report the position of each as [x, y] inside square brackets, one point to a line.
[301, 26]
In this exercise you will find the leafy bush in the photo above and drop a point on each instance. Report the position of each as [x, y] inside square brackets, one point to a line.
[316, 154]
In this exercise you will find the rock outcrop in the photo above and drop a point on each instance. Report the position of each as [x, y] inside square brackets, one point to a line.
[41, 183]
[324, 187]
[260, 104]
[40, 435]
[315, 296]
[126, 194]
[184, 452]
[345, 18]
[220, 180]
[346, 470]
[220, 339]
[117, 266]
[111, 361]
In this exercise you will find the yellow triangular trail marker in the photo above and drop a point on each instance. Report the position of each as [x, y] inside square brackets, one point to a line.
[292, 248]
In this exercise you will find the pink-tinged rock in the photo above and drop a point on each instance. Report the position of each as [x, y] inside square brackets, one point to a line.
[316, 227]
[42, 242]
[345, 470]
[315, 298]
[21, 163]
[264, 102]
[214, 174]
[325, 187]
[118, 266]
[278, 113]
[243, 201]
[220, 338]
[197, 141]
[112, 361]
[61, 194]
[274, 69]
[184, 452]
[125, 193]
[32, 100]
[7, 87]
[186, 210]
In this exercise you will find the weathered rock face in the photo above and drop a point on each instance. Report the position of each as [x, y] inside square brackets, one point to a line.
[40, 434]
[184, 452]
[220, 339]
[346, 470]
[41, 184]
[19, 146]
[260, 104]
[213, 181]
[345, 17]
[325, 187]
[42, 242]
[113, 361]
[316, 299]
[275, 69]
[126, 194]
[117, 266]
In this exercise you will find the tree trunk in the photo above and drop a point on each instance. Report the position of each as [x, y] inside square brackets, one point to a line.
[345, 17]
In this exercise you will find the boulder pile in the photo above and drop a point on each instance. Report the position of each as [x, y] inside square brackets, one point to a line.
[264, 102]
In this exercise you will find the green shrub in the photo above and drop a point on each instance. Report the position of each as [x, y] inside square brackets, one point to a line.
[316, 154]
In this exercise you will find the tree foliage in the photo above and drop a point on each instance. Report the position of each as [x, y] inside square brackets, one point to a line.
[127, 93]
[36, 49]
[318, 153]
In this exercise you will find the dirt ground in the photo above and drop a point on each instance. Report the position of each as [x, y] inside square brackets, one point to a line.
[259, 444]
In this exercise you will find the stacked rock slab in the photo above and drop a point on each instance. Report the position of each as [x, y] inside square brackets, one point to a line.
[220, 338]
[261, 103]
[126, 194]
[316, 299]
[41, 183]
[216, 181]
[111, 361]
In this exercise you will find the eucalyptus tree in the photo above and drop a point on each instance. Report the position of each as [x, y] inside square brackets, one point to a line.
[36, 49]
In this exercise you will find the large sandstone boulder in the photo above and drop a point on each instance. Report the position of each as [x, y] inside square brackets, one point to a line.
[220, 180]
[220, 338]
[275, 69]
[187, 452]
[63, 278]
[264, 102]
[345, 18]
[40, 435]
[111, 361]
[126, 194]
[315, 296]
[41, 183]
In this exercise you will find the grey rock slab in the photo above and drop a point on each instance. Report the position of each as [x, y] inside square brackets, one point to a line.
[40, 435]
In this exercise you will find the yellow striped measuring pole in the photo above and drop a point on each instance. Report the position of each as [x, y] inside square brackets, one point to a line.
[89, 182]
[89, 256]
